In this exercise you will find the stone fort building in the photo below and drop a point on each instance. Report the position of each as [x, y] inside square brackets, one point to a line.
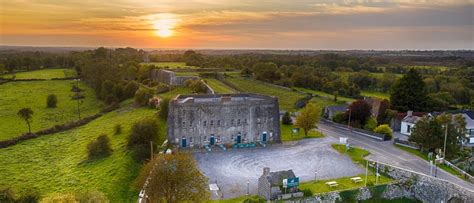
[223, 119]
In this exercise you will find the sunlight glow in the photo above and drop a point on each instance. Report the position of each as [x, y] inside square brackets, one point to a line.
[164, 26]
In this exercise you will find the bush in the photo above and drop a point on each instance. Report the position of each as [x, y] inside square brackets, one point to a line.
[371, 124]
[340, 118]
[307, 193]
[6, 195]
[99, 147]
[142, 96]
[286, 119]
[143, 132]
[90, 197]
[384, 129]
[111, 99]
[51, 101]
[107, 88]
[119, 92]
[117, 129]
[164, 108]
[197, 86]
[130, 89]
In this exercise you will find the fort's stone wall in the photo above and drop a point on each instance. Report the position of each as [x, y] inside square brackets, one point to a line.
[223, 119]
[170, 78]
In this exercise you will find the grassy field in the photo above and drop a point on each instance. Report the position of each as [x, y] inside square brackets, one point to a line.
[33, 94]
[425, 157]
[238, 199]
[286, 98]
[380, 95]
[43, 74]
[325, 95]
[218, 86]
[287, 135]
[170, 65]
[175, 91]
[57, 163]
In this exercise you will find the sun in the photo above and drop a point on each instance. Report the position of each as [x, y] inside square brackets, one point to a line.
[164, 27]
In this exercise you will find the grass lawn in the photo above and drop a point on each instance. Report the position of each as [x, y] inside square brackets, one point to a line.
[187, 73]
[345, 183]
[286, 98]
[57, 163]
[175, 91]
[33, 94]
[380, 95]
[170, 65]
[238, 199]
[356, 154]
[325, 95]
[286, 133]
[425, 157]
[218, 86]
[43, 74]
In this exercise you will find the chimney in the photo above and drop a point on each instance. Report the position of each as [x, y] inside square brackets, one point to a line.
[409, 113]
[266, 171]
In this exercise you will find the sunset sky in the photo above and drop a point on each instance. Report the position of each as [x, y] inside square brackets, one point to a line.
[278, 24]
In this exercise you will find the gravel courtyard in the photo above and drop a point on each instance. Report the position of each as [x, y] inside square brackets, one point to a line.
[232, 169]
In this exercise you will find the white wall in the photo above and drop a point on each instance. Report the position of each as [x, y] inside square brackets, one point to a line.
[404, 128]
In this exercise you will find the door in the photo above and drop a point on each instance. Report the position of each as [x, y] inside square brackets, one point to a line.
[239, 139]
[183, 143]
[264, 136]
[212, 140]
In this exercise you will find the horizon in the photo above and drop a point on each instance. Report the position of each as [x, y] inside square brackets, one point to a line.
[224, 24]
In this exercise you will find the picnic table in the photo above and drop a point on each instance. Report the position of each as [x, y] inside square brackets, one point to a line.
[332, 184]
[356, 179]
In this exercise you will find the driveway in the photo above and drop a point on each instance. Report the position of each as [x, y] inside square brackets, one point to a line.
[232, 169]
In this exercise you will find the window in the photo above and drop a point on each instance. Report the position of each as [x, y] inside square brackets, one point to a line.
[218, 122]
[232, 122]
[205, 123]
[238, 122]
[408, 128]
[245, 121]
[212, 122]
[191, 139]
[258, 120]
[183, 125]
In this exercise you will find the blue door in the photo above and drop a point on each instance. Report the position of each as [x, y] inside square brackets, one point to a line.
[183, 143]
[239, 139]
[212, 140]
[264, 137]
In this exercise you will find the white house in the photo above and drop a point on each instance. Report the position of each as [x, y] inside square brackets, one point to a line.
[408, 122]
[469, 118]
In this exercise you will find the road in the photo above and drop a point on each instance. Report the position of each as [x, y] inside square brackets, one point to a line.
[385, 151]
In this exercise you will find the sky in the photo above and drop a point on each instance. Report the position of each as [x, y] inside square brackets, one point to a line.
[240, 24]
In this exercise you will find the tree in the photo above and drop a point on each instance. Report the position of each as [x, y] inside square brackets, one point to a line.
[51, 101]
[308, 117]
[409, 93]
[267, 72]
[143, 132]
[174, 178]
[99, 147]
[360, 112]
[142, 96]
[371, 124]
[130, 89]
[164, 108]
[286, 119]
[197, 86]
[456, 134]
[26, 114]
[385, 130]
[107, 88]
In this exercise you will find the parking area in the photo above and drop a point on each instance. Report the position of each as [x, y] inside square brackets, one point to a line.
[231, 170]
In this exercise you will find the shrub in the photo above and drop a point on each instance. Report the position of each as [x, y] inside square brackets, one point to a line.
[130, 89]
[384, 129]
[51, 101]
[197, 86]
[164, 108]
[340, 118]
[371, 124]
[119, 92]
[286, 119]
[99, 147]
[143, 132]
[307, 193]
[6, 195]
[142, 96]
[111, 99]
[107, 88]
[117, 129]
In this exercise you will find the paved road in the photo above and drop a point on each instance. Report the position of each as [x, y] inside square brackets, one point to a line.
[385, 151]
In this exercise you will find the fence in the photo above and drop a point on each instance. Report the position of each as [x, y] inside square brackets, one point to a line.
[405, 143]
[466, 175]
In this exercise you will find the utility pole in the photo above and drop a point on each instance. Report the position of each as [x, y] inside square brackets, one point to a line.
[151, 150]
[445, 138]
[366, 171]
[349, 123]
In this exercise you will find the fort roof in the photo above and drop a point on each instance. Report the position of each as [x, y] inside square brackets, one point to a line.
[210, 98]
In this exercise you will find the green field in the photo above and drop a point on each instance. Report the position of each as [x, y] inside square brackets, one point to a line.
[287, 135]
[57, 163]
[33, 94]
[175, 91]
[325, 95]
[379, 95]
[286, 98]
[43, 74]
[170, 65]
[218, 86]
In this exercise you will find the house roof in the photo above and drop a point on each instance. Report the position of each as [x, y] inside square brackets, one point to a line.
[411, 119]
[469, 113]
[402, 115]
[276, 178]
[337, 108]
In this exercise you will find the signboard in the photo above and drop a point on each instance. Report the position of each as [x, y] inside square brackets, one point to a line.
[343, 140]
[291, 182]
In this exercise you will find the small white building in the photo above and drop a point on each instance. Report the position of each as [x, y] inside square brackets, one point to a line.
[469, 118]
[408, 122]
